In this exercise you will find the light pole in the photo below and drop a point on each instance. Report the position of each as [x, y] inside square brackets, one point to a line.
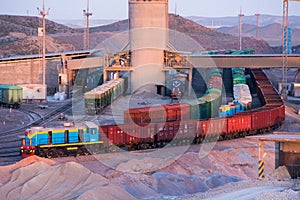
[87, 14]
[240, 28]
[42, 33]
[257, 16]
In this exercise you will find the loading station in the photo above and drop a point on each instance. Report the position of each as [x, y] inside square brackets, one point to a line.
[287, 152]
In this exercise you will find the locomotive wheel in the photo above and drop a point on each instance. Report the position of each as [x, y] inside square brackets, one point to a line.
[61, 153]
[51, 154]
[83, 152]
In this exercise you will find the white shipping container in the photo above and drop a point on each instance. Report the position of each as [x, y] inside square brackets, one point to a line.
[34, 91]
[295, 89]
[241, 92]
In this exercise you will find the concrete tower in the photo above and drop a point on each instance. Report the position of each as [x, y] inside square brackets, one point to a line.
[148, 25]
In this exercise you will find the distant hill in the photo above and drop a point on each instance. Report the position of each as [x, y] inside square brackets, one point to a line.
[118, 26]
[264, 20]
[18, 36]
[271, 33]
[29, 25]
[209, 39]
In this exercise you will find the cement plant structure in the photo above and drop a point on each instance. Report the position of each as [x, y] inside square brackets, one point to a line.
[149, 52]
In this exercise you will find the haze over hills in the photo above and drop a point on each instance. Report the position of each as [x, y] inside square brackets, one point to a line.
[271, 33]
[80, 23]
[209, 39]
[264, 20]
[18, 36]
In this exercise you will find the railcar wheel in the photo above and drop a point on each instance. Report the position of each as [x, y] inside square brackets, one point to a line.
[51, 154]
[144, 146]
[113, 149]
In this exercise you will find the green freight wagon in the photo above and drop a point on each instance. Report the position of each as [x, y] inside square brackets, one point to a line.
[11, 96]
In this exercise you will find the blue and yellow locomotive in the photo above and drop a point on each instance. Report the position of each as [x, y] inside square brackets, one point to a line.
[63, 141]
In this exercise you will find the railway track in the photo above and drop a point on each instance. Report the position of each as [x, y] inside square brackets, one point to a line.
[10, 141]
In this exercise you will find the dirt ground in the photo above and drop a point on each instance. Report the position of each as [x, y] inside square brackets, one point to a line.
[223, 170]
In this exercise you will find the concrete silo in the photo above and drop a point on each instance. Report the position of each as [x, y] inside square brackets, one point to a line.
[148, 25]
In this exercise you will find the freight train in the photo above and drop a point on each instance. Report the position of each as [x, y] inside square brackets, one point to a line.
[11, 96]
[100, 97]
[61, 142]
[201, 108]
[241, 95]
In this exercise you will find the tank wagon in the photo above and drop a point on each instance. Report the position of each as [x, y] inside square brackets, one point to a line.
[11, 96]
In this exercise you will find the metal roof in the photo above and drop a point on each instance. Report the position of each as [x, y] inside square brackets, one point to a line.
[279, 137]
[9, 87]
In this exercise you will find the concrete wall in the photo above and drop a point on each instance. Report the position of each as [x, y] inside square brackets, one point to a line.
[29, 72]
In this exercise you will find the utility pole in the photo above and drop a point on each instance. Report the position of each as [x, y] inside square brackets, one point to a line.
[240, 27]
[87, 14]
[285, 33]
[42, 33]
[257, 16]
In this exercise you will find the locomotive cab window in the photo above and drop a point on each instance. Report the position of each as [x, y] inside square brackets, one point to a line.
[92, 131]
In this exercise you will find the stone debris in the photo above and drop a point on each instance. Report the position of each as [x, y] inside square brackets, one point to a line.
[279, 174]
[63, 181]
[145, 177]
[284, 195]
[178, 185]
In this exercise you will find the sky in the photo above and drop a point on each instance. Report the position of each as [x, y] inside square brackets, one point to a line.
[118, 9]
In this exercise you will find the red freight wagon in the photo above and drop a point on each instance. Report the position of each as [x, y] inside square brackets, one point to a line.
[186, 130]
[211, 127]
[154, 114]
[166, 131]
[264, 83]
[269, 91]
[139, 133]
[238, 123]
[134, 115]
[116, 135]
[260, 119]
[277, 115]
[176, 130]
[103, 132]
[177, 112]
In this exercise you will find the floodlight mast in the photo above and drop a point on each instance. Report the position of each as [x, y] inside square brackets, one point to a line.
[87, 14]
[241, 15]
[43, 14]
[285, 46]
[257, 18]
